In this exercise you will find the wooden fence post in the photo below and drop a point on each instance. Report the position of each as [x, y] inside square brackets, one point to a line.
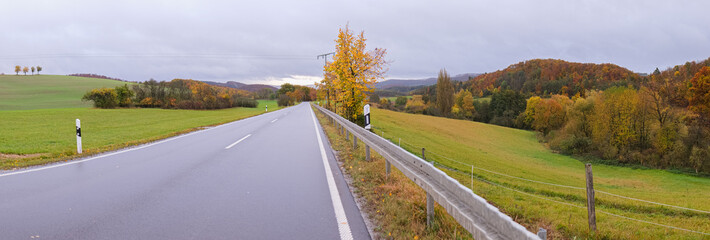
[590, 198]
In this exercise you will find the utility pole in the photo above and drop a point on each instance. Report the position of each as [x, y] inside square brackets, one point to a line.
[325, 57]
[325, 63]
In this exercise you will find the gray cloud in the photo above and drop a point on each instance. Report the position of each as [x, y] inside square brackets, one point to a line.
[276, 41]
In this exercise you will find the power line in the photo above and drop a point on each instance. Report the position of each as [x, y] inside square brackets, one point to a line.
[209, 55]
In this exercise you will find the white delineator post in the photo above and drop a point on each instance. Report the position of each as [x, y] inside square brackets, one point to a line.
[366, 112]
[78, 136]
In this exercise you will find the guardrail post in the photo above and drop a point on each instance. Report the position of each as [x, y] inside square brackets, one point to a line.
[367, 152]
[423, 156]
[429, 209]
[542, 234]
[347, 135]
[590, 198]
[354, 141]
[388, 168]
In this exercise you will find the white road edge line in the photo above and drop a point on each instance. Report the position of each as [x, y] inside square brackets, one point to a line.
[343, 225]
[235, 143]
[272, 121]
[97, 157]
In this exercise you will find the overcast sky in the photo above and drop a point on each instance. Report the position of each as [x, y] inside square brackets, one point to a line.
[275, 41]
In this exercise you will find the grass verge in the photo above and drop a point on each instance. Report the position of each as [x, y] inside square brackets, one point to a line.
[35, 137]
[394, 203]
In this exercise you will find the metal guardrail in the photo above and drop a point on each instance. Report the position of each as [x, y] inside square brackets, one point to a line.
[475, 214]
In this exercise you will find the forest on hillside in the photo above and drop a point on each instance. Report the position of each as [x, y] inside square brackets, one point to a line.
[660, 120]
[552, 76]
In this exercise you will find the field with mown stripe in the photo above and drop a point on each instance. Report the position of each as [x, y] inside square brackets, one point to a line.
[48, 91]
[540, 188]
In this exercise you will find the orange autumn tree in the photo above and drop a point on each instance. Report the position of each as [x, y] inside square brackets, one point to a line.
[699, 99]
[353, 73]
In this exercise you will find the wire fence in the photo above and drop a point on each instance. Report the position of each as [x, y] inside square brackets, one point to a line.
[399, 141]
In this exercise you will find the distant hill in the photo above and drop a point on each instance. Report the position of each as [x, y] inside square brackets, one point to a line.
[242, 86]
[551, 76]
[420, 82]
[48, 91]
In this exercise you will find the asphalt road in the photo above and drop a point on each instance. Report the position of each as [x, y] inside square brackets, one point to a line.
[258, 178]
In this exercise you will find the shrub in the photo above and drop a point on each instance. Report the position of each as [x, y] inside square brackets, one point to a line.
[385, 103]
[102, 97]
[124, 95]
[400, 101]
[246, 102]
[284, 100]
[374, 98]
[416, 105]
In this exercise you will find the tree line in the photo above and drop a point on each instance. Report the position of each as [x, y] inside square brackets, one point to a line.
[175, 94]
[26, 69]
[661, 120]
[288, 94]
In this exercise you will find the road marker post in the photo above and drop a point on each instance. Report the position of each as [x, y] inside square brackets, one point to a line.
[78, 136]
[366, 111]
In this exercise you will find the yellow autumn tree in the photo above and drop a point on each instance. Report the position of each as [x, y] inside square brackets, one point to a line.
[352, 74]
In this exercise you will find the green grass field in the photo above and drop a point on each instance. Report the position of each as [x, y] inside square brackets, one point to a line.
[562, 211]
[49, 133]
[38, 112]
[47, 91]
